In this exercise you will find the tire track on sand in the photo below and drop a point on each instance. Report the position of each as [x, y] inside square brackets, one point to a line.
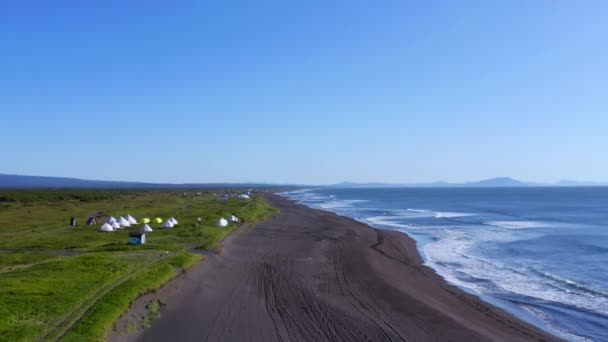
[297, 312]
[355, 301]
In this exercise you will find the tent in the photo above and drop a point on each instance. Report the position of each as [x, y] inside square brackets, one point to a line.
[115, 224]
[145, 220]
[110, 219]
[123, 222]
[167, 224]
[158, 220]
[106, 227]
[222, 222]
[131, 219]
[145, 228]
[234, 219]
[174, 221]
[244, 196]
[91, 221]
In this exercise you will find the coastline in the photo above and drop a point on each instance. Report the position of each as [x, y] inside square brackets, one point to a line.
[420, 242]
[308, 274]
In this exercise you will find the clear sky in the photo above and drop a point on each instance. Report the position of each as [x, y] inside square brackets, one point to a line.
[304, 91]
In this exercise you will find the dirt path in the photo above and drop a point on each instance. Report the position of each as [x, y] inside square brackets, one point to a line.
[309, 275]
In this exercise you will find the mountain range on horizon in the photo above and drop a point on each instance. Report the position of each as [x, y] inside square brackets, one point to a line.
[490, 182]
[32, 182]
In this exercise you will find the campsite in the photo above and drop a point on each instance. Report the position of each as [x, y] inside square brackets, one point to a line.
[71, 283]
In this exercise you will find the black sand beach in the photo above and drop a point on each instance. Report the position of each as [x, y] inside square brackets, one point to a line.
[310, 275]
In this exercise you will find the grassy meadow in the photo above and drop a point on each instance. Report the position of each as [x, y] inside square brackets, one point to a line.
[71, 283]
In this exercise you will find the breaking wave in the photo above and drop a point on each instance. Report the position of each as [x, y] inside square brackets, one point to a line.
[516, 224]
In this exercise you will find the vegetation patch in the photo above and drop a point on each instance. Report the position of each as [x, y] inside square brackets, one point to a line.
[8, 260]
[59, 282]
[95, 323]
[35, 298]
[153, 313]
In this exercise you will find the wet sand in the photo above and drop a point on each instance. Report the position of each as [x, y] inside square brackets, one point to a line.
[310, 275]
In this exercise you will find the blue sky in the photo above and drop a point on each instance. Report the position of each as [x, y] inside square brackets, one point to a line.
[304, 91]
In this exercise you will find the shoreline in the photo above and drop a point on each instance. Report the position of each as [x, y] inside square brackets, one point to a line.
[422, 237]
[498, 303]
[309, 274]
[510, 308]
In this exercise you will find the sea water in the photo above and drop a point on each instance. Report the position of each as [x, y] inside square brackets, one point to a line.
[541, 253]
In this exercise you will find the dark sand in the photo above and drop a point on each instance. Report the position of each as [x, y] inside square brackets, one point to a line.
[310, 275]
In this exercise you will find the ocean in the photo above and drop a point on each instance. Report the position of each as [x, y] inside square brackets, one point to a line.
[540, 253]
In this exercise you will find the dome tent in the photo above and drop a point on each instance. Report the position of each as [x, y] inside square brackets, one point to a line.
[244, 196]
[110, 219]
[145, 220]
[167, 224]
[173, 220]
[234, 218]
[106, 227]
[123, 222]
[222, 222]
[115, 225]
[131, 219]
[145, 228]
[158, 220]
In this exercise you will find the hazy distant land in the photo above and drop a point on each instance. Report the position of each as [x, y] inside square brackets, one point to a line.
[22, 181]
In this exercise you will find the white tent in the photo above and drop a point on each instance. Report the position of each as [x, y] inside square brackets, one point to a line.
[167, 224]
[110, 219]
[123, 222]
[244, 196]
[222, 222]
[131, 219]
[106, 227]
[145, 228]
[234, 219]
[174, 221]
[115, 225]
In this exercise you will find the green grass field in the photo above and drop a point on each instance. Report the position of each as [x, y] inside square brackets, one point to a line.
[71, 283]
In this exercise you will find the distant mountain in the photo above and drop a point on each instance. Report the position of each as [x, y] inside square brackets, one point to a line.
[493, 182]
[35, 182]
[486, 183]
[496, 182]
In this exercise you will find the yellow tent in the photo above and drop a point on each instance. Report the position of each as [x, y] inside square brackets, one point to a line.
[158, 220]
[145, 220]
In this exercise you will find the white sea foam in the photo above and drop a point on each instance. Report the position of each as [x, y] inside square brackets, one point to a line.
[340, 204]
[550, 324]
[296, 192]
[516, 224]
[419, 210]
[399, 218]
[453, 258]
[572, 284]
[450, 250]
[311, 198]
[436, 214]
[440, 214]
[386, 221]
